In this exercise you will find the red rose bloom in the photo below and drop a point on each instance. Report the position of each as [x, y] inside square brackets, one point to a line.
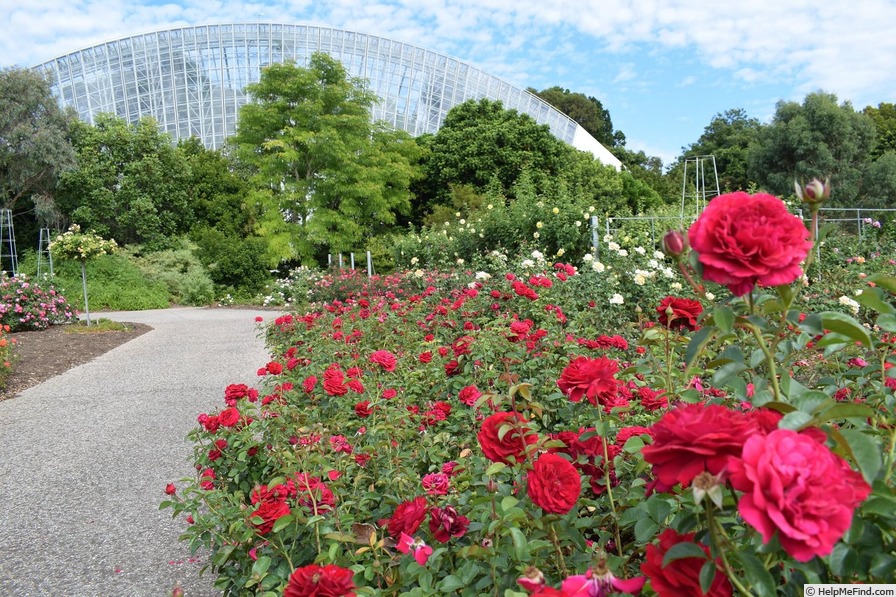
[681, 576]
[513, 443]
[592, 378]
[309, 383]
[469, 395]
[313, 494]
[384, 359]
[362, 409]
[445, 523]
[684, 313]
[334, 382]
[796, 486]
[269, 512]
[407, 517]
[554, 484]
[743, 239]
[320, 581]
[693, 438]
[229, 417]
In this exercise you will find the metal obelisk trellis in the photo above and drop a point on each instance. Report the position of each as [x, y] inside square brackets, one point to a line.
[8, 255]
[44, 258]
[700, 182]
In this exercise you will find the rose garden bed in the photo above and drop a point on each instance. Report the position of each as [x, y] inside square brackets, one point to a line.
[469, 434]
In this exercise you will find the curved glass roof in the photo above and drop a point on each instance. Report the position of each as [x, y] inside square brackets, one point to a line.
[192, 79]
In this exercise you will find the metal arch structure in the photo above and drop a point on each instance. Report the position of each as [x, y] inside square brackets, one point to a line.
[192, 80]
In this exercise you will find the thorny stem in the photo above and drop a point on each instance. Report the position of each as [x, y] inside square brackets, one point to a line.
[617, 535]
[555, 541]
[714, 530]
[769, 359]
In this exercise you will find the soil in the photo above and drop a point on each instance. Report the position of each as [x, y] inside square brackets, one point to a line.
[48, 353]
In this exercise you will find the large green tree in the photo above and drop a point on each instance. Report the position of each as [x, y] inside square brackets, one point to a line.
[481, 144]
[818, 138]
[34, 142]
[884, 118]
[328, 176]
[130, 183]
[729, 138]
[588, 111]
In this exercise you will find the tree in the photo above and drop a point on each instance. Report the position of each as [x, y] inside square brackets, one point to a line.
[814, 140]
[884, 117]
[130, 183]
[328, 176]
[34, 141]
[481, 142]
[728, 137]
[585, 110]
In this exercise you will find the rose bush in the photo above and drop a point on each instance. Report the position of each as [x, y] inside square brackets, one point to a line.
[515, 447]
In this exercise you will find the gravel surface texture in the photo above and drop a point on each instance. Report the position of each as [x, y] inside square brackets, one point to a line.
[85, 456]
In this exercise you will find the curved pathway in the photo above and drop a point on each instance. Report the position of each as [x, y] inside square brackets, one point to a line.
[85, 456]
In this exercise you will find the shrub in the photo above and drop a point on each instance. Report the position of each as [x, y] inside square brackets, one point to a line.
[180, 271]
[26, 304]
[114, 282]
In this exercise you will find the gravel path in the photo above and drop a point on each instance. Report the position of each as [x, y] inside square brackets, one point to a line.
[85, 456]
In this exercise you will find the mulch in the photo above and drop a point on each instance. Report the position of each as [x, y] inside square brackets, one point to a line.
[40, 355]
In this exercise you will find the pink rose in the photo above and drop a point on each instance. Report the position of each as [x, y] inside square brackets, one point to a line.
[796, 486]
[743, 239]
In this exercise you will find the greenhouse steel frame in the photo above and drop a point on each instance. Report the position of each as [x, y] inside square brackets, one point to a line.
[192, 80]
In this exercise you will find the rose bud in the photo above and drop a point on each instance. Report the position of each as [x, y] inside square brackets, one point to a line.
[675, 244]
[170, 489]
[815, 192]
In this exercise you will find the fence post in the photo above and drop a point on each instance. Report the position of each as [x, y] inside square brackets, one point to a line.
[340, 261]
[594, 240]
[369, 265]
[352, 255]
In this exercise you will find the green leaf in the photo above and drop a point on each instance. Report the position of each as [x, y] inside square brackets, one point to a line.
[450, 584]
[845, 325]
[683, 550]
[645, 530]
[887, 322]
[843, 411]
[495, 468]
[508, 502]
[707, 575]
[870, 297]
[756, 574]
[865, 451]
[698, 341]
[795, 420]
[883, 566]
[723, 316]
[723, 374]
[843, 560]
[884, 281]
[519, 544]
[261, 565]
[281, 523]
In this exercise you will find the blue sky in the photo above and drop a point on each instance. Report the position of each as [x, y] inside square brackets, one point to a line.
[662, 68]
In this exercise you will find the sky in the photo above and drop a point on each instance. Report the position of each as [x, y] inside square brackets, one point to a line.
[662, 68]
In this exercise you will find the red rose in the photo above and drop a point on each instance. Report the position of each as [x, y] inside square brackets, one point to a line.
[313, 494]
[587, 456]
[679, 313]
[384, 359]
[334, 382]
[436, 483]
[469, 395]
[554, 484]
[274, 368]
[743, 239]
[269, 511]
[514, 442]
[320, 581]
[362, 409]
[693, 438]
[170, 489]
[229, 417]
[425, 357]
[795, 485]
[445, 523]
[309, 383]
[407, 517]
[593, 378]
[681, 576]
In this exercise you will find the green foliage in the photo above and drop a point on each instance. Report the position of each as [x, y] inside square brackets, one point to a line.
[588, 111]
[815, 139]
[130, 183]
[729, 137]
[884, 118]
[35, 133]
[180, 271]
[327, 176]
[236, 264]
[114, 282]
[480, 141]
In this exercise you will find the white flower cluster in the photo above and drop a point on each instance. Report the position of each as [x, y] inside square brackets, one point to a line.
[848, 302]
